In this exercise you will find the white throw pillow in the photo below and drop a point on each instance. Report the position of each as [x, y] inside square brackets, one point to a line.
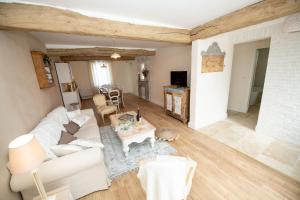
[53, 127]
[59, 114]
[87, 143]
[48, 133]
[64, 149]
[73, 114]
[81, 119]
[46, 141]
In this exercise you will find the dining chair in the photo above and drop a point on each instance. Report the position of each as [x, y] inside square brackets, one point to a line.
[114, 97]
[104, 91]
[101, 106]
[161, 183]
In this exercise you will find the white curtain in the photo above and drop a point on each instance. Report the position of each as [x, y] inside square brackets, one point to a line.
[100, 73]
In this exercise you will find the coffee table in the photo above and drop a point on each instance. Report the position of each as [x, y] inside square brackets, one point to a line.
[137, 133]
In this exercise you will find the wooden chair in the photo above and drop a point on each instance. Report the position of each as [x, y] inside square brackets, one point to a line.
[158, 169]
[114, 98]
[102, 107]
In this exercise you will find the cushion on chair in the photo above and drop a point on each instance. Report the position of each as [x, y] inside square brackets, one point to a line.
[99, 100]
[107, 109]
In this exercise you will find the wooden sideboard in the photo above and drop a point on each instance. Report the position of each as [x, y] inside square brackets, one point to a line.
[176, 102]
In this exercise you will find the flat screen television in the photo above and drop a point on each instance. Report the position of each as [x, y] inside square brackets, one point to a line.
[179, 78]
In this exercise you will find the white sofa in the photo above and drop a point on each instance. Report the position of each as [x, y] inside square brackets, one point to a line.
[84, 171]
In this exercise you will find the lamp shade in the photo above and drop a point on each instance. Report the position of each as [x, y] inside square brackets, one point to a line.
[25, 154]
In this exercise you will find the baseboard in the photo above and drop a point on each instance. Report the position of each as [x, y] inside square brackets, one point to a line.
[161, 104]
[87, 97]
[207, 122]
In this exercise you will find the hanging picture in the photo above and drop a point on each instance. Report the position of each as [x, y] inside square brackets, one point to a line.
[212, 59]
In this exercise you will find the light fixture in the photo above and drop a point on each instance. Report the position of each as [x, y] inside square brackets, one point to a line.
[115, 55]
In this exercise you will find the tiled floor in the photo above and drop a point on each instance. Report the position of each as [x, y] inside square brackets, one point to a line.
[238, 132]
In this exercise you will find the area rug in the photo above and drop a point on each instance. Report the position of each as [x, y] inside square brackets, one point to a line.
[116, 162]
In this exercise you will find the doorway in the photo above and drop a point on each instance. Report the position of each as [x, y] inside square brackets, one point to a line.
[247, 80]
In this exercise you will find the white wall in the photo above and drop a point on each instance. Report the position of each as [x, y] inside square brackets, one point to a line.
[210, 91]
[134, 71]
[243, 69]
[123, 75]
[166, 60]
[123, 72]
[80, 71]
[280, 106]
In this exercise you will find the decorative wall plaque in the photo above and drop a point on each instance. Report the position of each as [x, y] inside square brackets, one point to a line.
[212, 59]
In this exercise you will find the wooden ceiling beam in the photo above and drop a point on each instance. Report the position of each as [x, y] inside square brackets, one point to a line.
[50, 19]
[257, 13]
[88, 58]
[17, 16]
[99, 51]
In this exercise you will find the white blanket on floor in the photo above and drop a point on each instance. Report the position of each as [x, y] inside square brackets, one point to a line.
[164, 178]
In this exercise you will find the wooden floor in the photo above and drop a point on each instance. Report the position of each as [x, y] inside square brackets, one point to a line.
[222, 172]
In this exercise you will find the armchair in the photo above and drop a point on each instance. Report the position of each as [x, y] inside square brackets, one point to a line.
[102, 107]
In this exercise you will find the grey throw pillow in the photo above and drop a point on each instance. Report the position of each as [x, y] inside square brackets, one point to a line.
[66, 138]
[72, 127]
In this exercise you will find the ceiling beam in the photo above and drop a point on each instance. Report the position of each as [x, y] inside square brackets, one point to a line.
[257, 13]
[99, 51]
[17, 16]
[88, 58]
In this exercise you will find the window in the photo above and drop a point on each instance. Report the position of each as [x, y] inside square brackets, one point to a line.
[142, 67]
[101, 73]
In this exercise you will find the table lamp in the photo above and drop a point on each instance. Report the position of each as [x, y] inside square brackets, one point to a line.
[25, 155]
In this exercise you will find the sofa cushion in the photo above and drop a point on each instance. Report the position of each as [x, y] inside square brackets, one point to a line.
[66, 138]
[89, 112]
[88, 143]
[91, 122]
[74, 113]
[53, 127]
[65, 149]
[89, 132]
[59, 168]
[81, 119]
[59, 114]
[72, 127]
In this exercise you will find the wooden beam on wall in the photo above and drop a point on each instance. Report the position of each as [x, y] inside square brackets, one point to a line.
[17, 16]
[257, 13]
[88, 58]
[99, 51]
